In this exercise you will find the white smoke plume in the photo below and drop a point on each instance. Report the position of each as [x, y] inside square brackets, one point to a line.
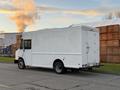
[22, 12]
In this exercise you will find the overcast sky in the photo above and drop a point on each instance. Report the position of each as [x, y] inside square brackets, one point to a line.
[62, 13]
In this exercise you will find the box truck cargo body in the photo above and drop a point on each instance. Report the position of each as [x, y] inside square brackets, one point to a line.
[58, 49]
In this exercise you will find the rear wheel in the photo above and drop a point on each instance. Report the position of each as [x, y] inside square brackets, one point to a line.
[21, 64]
[59, 67]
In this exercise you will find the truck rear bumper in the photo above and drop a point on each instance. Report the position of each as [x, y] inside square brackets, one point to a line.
[91, 65]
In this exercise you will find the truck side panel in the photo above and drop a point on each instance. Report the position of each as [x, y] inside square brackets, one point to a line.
[47, 60]
[48, 46]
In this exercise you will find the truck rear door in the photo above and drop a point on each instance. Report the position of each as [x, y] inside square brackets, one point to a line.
[93, 47]
[90, 44]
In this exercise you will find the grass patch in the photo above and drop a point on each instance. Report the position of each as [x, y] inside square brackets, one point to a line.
[6, 59]
[109, 68]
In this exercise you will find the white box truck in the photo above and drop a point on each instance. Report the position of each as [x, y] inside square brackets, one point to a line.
[61, 48]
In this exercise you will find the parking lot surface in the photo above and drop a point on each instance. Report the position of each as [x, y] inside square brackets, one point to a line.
[11, 78]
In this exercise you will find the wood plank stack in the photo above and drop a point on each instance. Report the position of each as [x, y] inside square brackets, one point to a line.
[110, 43]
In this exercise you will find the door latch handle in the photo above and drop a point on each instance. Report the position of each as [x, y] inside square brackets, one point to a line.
[87, 49]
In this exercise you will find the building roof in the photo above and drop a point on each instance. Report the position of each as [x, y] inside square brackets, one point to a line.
[7, 39]
[102, 23]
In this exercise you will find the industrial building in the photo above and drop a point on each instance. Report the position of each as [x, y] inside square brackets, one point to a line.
[8, 44]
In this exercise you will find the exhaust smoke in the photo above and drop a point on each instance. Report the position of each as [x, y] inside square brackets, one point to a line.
[22, 12]
[26, 14]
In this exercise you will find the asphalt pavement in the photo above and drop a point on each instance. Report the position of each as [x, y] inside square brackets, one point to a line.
[11, 78]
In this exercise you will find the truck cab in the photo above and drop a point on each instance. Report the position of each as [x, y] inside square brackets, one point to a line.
[24, 50]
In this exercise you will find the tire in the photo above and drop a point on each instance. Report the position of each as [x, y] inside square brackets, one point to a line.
[59, 67]
[21, 64]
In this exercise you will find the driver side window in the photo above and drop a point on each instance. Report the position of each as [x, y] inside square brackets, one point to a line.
[25, 44]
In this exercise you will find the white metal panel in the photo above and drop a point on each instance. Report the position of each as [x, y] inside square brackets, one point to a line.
[84, 46]
[46, 60]
[49, 45]
[53, 41]
[93, 47]
[27, 55]
[90, 44]
[18, 53]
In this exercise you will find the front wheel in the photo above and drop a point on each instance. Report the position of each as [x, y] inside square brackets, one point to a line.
[21, 64]
[59, 67]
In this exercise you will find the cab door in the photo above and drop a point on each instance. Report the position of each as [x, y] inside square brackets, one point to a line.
[27, 51]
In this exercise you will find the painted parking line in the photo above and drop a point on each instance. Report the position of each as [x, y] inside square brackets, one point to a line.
[4, 86]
